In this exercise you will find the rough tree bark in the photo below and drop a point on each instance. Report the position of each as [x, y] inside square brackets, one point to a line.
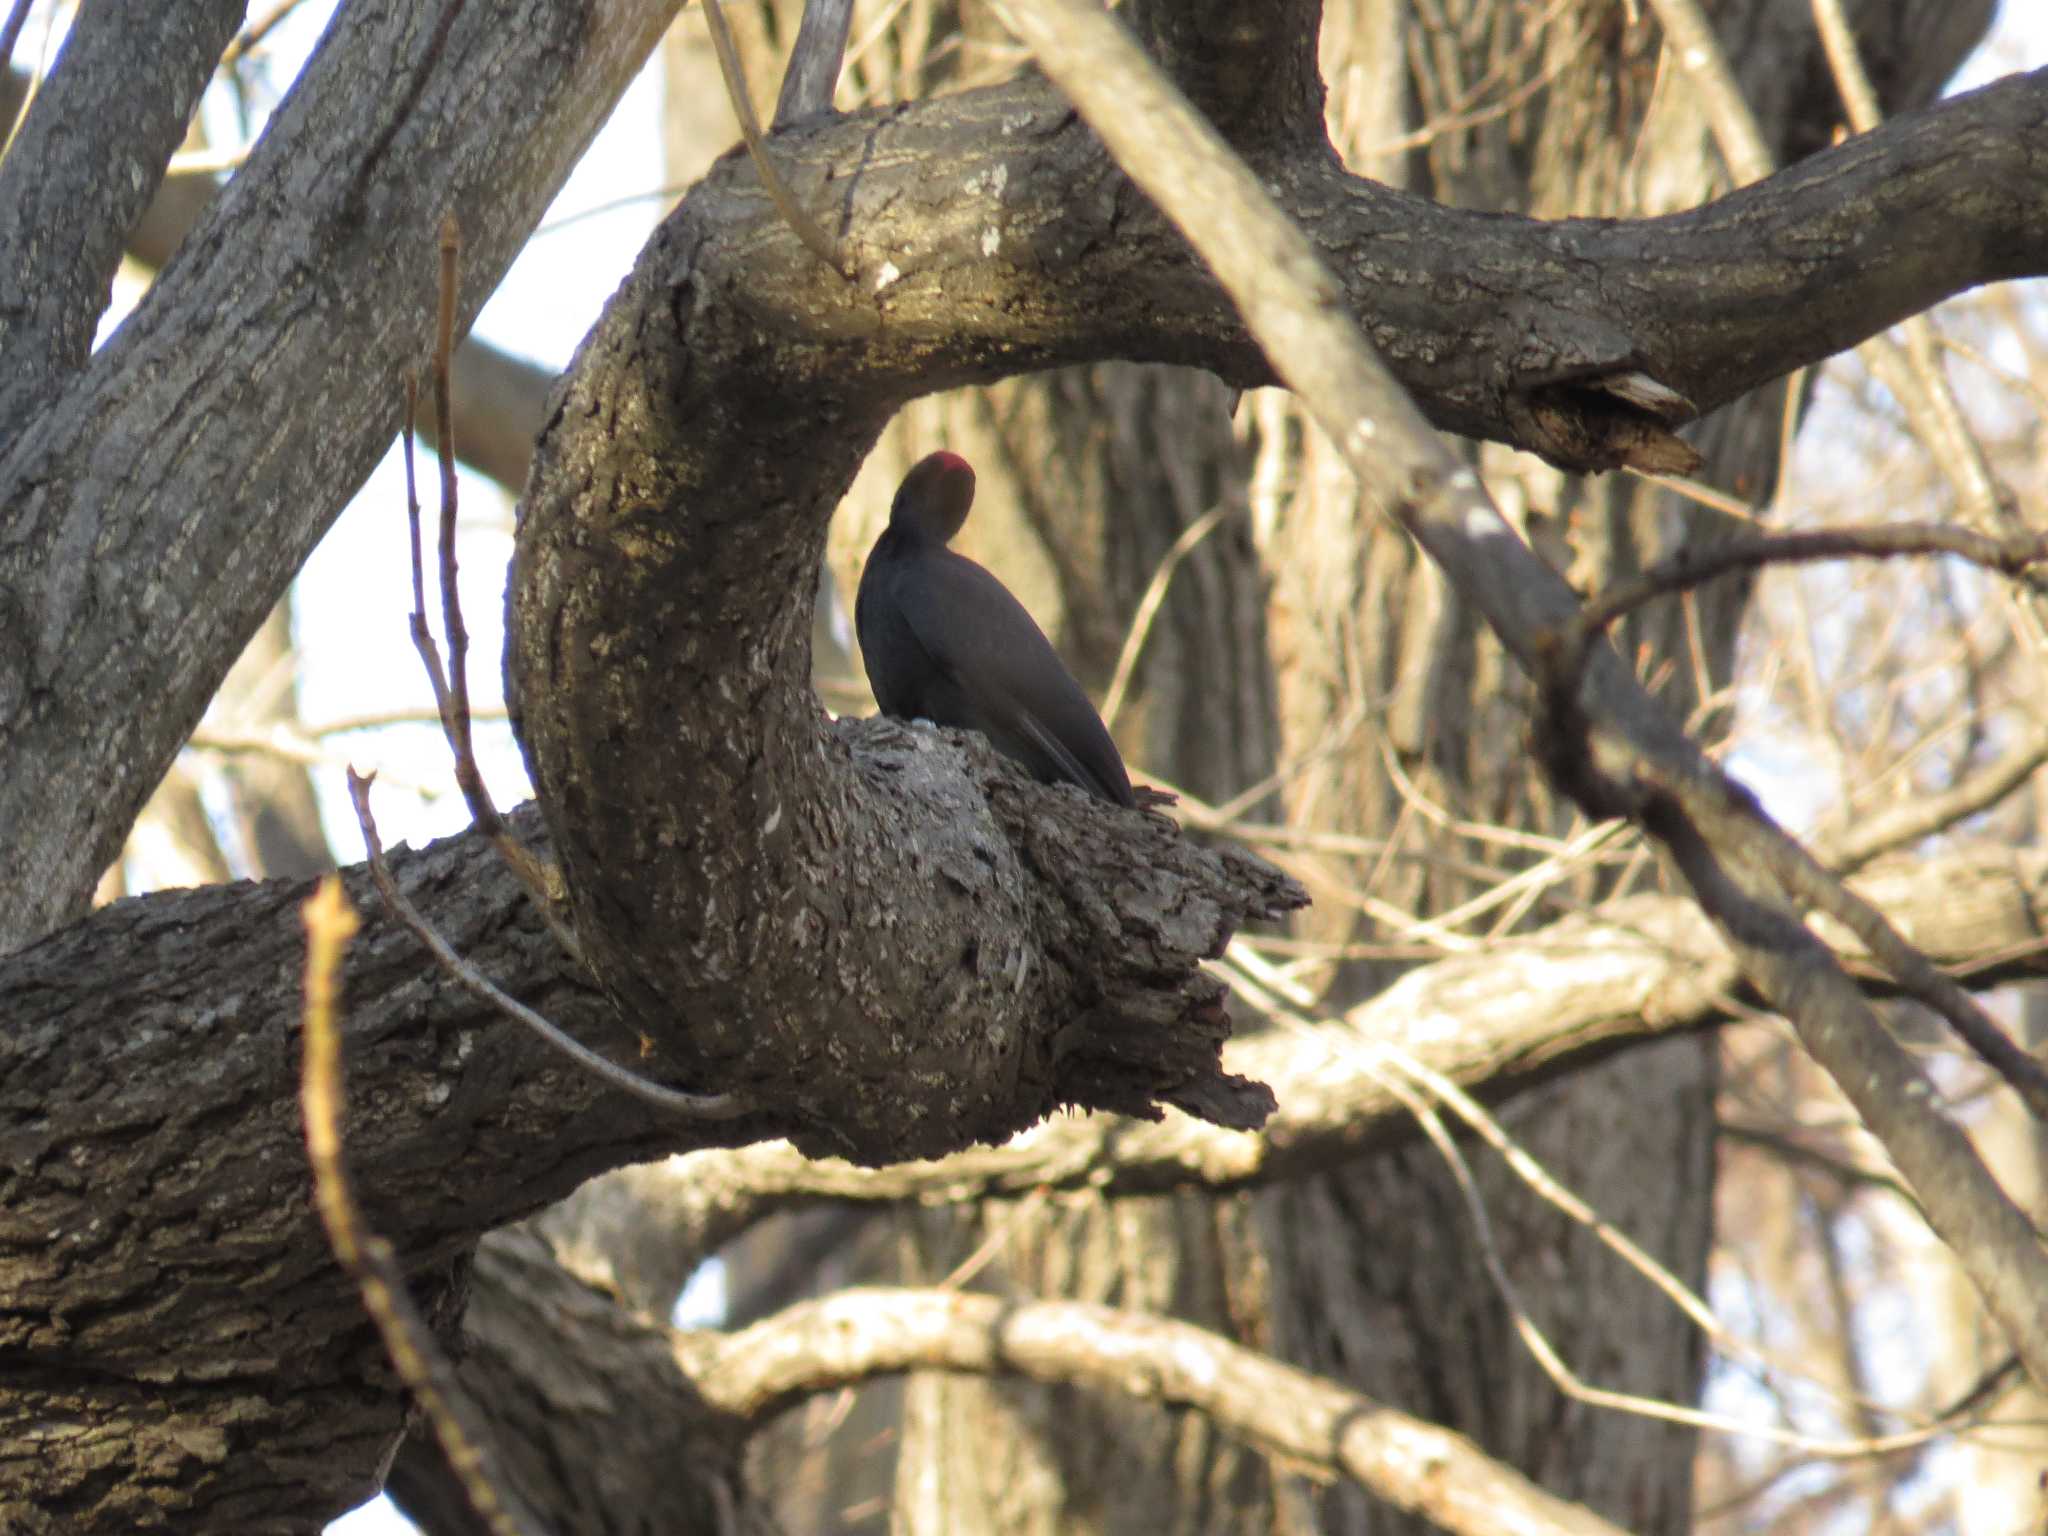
[132, 488]
[184, 1327]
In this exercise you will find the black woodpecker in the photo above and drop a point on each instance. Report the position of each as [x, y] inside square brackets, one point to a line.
[944, 641]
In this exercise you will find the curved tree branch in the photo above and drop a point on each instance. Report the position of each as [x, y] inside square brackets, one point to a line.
[703, 812]
[142, 1118]
[1417, 1467]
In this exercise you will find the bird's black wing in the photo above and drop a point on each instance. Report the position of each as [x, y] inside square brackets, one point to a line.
[1005, 678]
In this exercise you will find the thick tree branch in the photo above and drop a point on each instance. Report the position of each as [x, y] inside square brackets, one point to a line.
[323, 259]
[500, 400]
[595, 1420]
[1506, 328]
[1525, 1012]
[77, 177]
[814, 61]
[148, 1122]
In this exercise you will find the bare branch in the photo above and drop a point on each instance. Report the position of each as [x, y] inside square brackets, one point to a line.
[1414, 1465]
[1924, 815]
[1148, 609]
[1909, 372]
[815, 240]
[451, 689]
[251, 37]
[1528, 1010]
[330, 924]
[2018, 555]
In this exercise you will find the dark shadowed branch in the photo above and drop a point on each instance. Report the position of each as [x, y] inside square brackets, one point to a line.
[702, 1106]
[1527, 1010]
[2017, 555]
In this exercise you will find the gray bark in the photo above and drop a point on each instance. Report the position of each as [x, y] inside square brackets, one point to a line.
[127, 569]
[77, 177]
[499, 400]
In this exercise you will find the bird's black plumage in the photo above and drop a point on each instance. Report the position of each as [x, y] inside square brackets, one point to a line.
[944, 641]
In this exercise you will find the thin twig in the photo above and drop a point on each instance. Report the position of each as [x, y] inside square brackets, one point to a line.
[451, 688]
[1388, 1065]
[1797, 871]
[456, 633]
[253, 34]
[385, 719]
[2020, 556]
[1149, 605]
[1838, 41]
[422, 636]
[1710, 497]
[1569, 1382]
[1926, 814]
[815, 240]
[366, 1257]
[1793, 1152]
[699, 1106]
[1908, 372]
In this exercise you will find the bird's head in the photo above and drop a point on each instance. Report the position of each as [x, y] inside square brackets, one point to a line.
[933, 499]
